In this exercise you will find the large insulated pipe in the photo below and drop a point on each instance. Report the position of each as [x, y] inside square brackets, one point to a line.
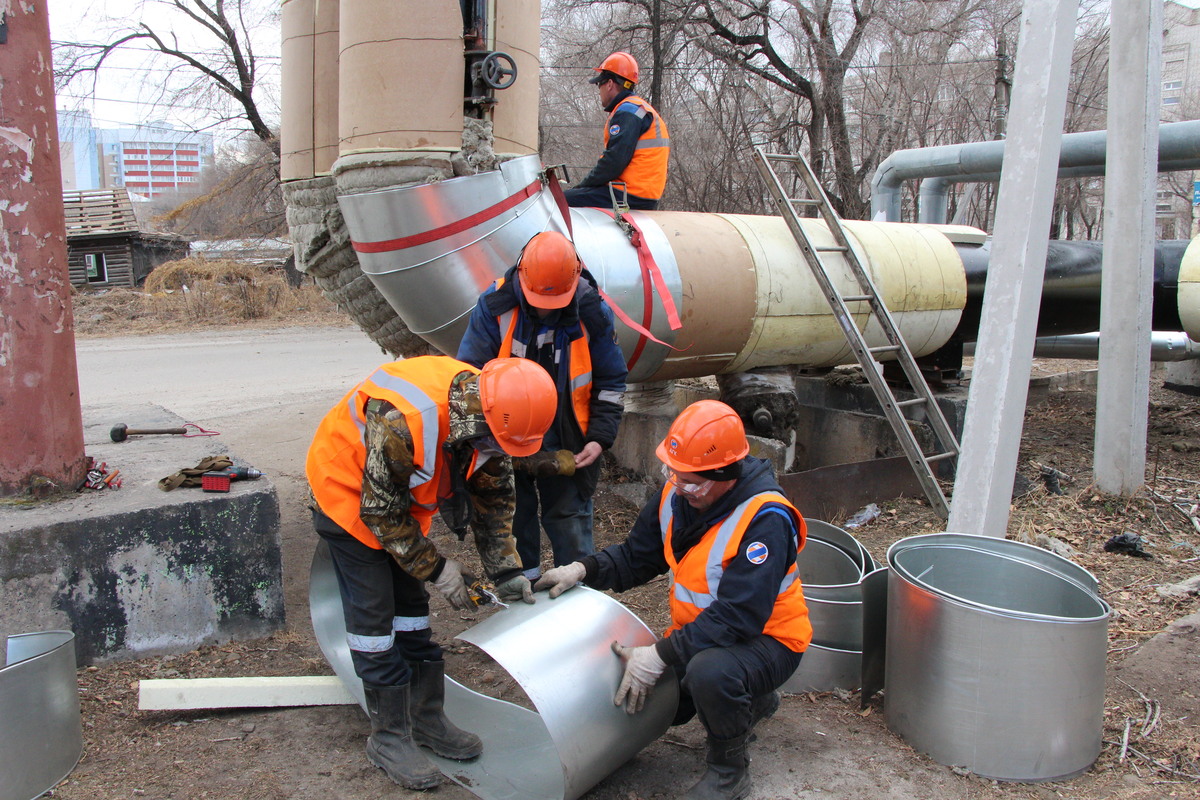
[308, 141]
[1178, 148]
[516, 30]
[742, 292]
[1071, 289]
[375, 110]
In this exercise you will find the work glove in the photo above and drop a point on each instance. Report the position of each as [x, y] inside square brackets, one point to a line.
[450, 585]
[514, 589]
[643, 666]
[559, 579]
[547, 463]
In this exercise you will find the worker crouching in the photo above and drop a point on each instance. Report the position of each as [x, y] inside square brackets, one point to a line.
[418, 436]
[739, 623]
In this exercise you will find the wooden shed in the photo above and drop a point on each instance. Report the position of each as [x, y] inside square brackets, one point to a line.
[104, 245]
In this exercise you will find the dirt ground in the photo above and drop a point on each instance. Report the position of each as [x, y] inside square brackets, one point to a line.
[817, 746]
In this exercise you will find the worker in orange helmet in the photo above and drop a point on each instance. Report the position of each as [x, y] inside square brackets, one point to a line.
[637, 145]
[548, 309]
[418, 436]
[739, 623]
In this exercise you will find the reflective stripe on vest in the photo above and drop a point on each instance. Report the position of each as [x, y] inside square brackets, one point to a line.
[580, 357]
[697, 578]
[646, 174]
[418, 388]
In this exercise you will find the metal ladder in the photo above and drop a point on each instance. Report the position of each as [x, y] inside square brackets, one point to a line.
[948, 446]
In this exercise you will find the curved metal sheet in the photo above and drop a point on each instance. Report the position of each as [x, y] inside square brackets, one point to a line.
[558, 652]
[823, 669]
[995, 657]
[40, 734]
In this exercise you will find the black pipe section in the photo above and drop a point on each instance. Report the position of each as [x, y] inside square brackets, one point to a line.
[1071, 291]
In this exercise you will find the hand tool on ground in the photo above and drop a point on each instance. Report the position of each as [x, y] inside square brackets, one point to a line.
[120, 432]
[219, 480]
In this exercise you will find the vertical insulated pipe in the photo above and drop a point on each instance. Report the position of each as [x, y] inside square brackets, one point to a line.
[41, 425]
[296, 128]
[400, 76]
[515, 30]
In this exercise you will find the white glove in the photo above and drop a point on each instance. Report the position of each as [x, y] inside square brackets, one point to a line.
[450, 585]
[515, 589]
[643, 666]
[559, 579]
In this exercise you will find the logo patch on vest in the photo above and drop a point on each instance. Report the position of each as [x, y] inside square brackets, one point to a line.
[757, 552]
[613, 130]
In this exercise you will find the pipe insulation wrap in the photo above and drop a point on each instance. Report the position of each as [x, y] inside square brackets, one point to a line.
[1189, 290]
[744, 293]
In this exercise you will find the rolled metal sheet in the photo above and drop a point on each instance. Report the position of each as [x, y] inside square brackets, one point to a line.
[559, 653]
[823, 669]
[995, 656]
[41, 738]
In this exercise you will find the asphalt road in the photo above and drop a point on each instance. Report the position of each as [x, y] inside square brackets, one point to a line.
[264, 390]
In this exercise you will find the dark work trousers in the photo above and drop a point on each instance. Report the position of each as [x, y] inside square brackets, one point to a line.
[598, 197]
[566, 515]
[386, 609]
[718, 684]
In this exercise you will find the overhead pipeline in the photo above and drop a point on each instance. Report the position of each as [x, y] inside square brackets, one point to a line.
[742, 293]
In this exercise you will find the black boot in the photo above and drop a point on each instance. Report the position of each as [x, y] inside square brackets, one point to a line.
[728, 775]
[430, 725]
[391, 746]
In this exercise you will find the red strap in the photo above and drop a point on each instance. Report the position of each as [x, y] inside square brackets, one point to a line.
[459, 226]
[556, 191]
[651, 271]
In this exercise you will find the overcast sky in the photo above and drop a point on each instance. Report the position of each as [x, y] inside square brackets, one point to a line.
[130, 80]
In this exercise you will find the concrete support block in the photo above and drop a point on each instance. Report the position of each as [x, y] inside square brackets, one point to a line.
[1183, 376]
[139, 571]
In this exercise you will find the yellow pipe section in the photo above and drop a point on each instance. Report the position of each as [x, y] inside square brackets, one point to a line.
[1189, 290]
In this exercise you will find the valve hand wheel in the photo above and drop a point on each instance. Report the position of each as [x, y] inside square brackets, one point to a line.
[498, 70]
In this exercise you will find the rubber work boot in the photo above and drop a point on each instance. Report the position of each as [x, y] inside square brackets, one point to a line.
[728, 774]
[430, 725]
[391, 746]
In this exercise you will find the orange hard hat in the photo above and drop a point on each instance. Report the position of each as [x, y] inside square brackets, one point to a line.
[621, 64]
[706, 435]
[519, 402]
[549, 270]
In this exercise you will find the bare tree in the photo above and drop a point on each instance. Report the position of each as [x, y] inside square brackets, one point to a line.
[208, 48]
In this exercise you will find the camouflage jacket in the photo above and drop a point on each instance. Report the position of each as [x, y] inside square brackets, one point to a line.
[484, 501]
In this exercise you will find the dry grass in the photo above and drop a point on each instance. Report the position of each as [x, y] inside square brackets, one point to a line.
[197, 294]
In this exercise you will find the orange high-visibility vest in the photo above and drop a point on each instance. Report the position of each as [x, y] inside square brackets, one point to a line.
[419, 388]
[580, 357]
[698, 575]
[646, 174]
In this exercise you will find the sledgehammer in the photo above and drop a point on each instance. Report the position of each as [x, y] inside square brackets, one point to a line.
[121, 432]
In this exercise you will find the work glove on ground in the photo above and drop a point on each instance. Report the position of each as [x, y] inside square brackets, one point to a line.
[643, 666]
[450, 585]
[547, 463]
[514, 589]
[559, 579]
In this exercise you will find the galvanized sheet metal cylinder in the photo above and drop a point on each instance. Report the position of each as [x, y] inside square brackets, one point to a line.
[373, 72]
[995, 656]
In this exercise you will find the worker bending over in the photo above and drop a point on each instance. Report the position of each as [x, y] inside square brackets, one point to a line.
[548, 309]
[637, 145]
[739, 623]
[417, 436]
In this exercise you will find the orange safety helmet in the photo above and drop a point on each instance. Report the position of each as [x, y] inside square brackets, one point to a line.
[621, 64]
[706, 435]
[519, 402]
[549, 270]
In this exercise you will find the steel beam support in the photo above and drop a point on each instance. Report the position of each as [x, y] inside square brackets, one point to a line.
[1004, 353]
[1123, 390]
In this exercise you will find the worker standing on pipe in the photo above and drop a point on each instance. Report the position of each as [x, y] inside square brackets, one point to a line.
[417, 436]
[637, 145]
[548, 309]
[739, 622]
